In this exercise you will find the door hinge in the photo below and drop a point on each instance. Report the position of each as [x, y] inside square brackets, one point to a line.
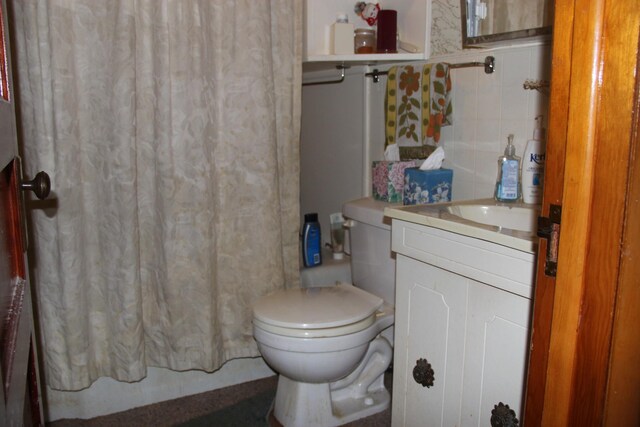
[549, 228]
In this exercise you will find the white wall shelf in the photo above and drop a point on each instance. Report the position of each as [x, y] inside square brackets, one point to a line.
[366, 58]
[414, 27]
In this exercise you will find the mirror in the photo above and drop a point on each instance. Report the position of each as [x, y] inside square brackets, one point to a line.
[489, 21]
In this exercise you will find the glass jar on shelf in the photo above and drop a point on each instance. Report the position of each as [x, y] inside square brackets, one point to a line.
[365, 40]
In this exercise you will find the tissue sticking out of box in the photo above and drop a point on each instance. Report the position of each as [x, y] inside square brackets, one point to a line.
[434, 161]
[392, 153]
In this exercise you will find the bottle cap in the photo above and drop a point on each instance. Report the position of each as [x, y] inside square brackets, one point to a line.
[538, 132]
[311, 217]
[342, 18]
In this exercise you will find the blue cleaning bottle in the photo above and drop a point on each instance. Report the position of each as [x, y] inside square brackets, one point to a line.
[311, 241]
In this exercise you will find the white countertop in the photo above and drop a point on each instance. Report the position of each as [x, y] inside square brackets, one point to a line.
[437, 216]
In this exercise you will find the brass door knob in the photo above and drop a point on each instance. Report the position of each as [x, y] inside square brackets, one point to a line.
[40, 185]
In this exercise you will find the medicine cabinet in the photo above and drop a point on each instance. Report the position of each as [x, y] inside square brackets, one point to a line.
[413, 30]
[487, 22]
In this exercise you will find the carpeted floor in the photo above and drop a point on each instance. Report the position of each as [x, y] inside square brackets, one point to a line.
[242, 405]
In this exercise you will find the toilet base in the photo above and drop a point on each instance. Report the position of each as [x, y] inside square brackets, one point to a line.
[359, 395]
[306, 405]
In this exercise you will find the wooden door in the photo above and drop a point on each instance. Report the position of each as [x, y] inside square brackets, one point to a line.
[20, 402]
[584, 353]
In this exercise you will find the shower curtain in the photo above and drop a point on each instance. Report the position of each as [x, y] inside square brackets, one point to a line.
[170, 129]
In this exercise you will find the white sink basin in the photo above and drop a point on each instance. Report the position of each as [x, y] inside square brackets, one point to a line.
[511, 225]
[513, 217]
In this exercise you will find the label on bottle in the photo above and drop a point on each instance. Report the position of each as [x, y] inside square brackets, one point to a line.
[509, 185]
[311, 246]
[532, 178]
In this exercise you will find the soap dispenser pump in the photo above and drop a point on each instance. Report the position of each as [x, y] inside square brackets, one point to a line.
[508, 187]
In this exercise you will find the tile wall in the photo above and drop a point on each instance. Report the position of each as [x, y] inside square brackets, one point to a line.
[489, 107]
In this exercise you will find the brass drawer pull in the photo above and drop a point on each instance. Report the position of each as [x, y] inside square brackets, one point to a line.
[423, 373]
[503, 416]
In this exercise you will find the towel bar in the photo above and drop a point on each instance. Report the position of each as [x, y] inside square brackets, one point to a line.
[341, 67]
[488, 64]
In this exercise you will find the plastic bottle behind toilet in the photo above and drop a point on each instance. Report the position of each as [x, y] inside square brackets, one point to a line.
[311, 241]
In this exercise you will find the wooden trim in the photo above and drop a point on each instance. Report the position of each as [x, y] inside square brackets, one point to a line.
[33, 387]
[623, 391]
[4, 75]
[578, 177]
[14, 227]
[597, 153]
[11, 324]
[612, 137]
[554, 174]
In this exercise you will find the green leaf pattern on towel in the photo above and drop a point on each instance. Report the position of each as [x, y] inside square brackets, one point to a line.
[417, 104]
[408, 120]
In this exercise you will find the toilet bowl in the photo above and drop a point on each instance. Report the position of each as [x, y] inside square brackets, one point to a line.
[331, 344]
[322, 341]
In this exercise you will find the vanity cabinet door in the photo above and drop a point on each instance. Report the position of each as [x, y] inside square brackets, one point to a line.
[495, 354]
[430, 325]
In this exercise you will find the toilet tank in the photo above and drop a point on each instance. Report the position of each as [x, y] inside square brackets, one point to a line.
[330, 272]
[373, 265]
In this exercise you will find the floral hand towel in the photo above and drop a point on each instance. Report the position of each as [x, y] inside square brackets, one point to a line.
[417, 104]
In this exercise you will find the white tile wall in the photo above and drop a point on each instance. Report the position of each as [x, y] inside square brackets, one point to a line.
[487, 108]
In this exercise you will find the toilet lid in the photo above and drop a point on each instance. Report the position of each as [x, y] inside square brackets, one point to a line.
[316, 307]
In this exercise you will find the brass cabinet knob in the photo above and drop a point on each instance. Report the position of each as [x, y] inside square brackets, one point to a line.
[423, 373]
[503, 416]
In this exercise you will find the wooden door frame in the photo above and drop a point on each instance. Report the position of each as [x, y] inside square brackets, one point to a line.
[20, 383]
[623, 390]
[594, 58]
[554, 177]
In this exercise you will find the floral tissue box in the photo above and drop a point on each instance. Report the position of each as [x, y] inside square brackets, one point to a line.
[422, 187]
[388, 179]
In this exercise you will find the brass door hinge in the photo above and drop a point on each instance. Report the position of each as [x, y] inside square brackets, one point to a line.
[549, 228]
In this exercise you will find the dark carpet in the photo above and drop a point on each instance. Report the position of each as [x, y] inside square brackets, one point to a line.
[251, 412]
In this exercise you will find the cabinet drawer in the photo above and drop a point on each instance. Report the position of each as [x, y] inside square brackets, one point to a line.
[490, 263]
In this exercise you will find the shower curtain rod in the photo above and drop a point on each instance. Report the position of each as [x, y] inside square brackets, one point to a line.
[488, 64]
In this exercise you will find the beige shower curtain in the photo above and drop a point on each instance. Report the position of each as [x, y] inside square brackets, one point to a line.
[170, 129]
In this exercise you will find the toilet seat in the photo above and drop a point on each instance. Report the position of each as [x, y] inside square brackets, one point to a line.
[317, 312]
[317, 333]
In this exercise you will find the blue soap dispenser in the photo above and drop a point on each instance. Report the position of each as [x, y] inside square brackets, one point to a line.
[311, 241]
[508, 186]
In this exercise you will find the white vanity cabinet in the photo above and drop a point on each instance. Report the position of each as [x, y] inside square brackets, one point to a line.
[453, 311]
[496, 348]
[430, 325]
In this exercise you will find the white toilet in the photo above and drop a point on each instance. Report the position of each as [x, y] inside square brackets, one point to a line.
[326, 341]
